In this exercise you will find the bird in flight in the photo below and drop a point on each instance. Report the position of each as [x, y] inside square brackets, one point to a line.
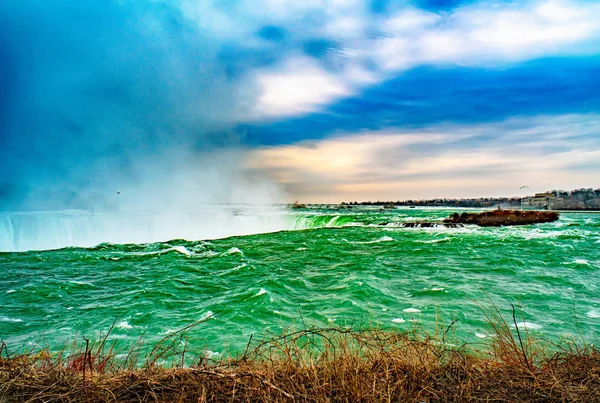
[524, 187]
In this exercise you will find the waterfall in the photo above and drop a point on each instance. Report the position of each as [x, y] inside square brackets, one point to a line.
[22, 231]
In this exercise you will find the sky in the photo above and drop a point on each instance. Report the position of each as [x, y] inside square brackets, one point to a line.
[123, 104]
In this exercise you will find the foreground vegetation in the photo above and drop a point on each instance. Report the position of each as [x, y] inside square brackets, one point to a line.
[317, 365]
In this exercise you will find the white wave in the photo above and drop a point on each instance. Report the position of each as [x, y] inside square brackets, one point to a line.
[577, 262]
[430, 241]
[12, 320]
[177, 248]
[10, 291]
[261, 292]
[398, 320]
[481, 335]
[124, 325]
[594, 313]
[78, 282]
[233, 250]
[206, 316]
[211, 354]
[232, 270]
[181, 249]
[382, 239]
[528, 325]
[438, 289]
[411, 310]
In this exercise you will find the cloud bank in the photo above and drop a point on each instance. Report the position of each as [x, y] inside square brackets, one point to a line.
[478, 160]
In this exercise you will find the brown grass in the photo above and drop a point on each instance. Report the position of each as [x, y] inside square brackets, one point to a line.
[317, 365]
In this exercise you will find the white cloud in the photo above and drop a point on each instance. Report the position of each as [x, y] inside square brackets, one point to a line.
[484, 34]
[480, 34]
[299, 86]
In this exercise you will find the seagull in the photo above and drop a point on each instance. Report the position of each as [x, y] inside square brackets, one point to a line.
[523, 187]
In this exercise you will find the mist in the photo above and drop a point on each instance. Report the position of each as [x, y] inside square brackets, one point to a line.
[118, 106]
[116, 98]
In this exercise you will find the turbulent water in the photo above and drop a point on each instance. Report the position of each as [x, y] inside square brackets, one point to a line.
[327, 267]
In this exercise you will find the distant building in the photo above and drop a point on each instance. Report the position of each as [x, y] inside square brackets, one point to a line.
[540, 201]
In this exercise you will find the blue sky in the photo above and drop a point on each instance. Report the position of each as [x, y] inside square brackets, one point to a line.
[275, 100]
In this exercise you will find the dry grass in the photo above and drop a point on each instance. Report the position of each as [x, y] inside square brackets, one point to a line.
[317, 365]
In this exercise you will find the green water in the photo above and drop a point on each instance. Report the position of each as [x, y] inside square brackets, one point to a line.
[349, 267]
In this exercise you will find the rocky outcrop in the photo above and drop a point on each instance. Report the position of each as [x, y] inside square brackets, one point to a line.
[500, 218]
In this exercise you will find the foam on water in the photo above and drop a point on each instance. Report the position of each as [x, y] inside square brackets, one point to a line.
[431, 241]
[382, 239]
[234, 250]
[528, 325]
[262, 291]
[124, 325]
[181, 249]
[398, 320]
[594, 314]
[411, 310]
[11, 320]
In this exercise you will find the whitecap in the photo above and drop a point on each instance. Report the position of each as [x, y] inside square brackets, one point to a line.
[434, 240]
[207, 315]
[398, 320]
[382, 239]
[181, 249]
[481, 335]
[211, 354]
[412, 310]
[261, 292]
[438, 289]
[301, 249]
[124, 325]
[10, 291]
[80, 282]
[6, 319]
[594, 313]
[581, 261]
[233, 250]
[528, 325]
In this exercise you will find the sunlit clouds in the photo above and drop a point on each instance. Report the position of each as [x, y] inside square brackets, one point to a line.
[443, 161]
